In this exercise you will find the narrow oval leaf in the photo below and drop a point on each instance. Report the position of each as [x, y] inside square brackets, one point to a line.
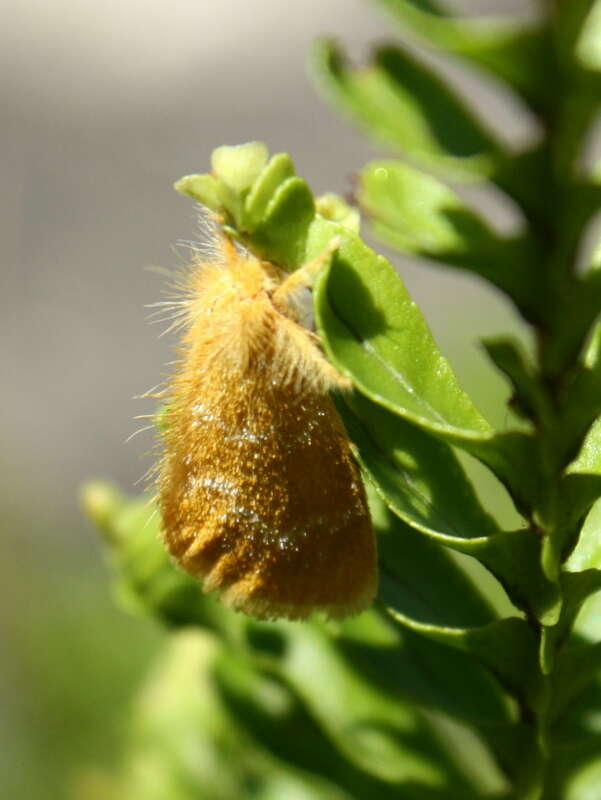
[581, 403]
[275, 718]
[579, 490]
[576, 587]
[402, 102]
[588, 47]
[587, 553]
[513, 51]
[203, 189]
[530, 395]
[282, 232]
[376, 335]
[412, 667]
[179, 722]
[579, 309]
[390, 741]
[238, 166]
[577, 666]
[148, 582]
[417, 214]
[276, 171]
[421, 481]
[507, 647]
[420, 473]
[429, 584]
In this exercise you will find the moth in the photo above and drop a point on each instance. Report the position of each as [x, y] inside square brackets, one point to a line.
[260, 496]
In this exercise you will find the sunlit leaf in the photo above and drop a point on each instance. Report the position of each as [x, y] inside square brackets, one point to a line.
[513, 51]
[417, 214]
[375, 334]
[402, 102]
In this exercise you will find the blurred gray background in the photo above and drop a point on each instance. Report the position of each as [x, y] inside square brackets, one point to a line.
[104, 105]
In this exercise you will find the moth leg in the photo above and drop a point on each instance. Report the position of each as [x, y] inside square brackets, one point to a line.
[303, 277]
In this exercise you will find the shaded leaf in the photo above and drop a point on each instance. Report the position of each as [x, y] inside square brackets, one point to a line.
[148, 581]
[430, 583]
[411, 667]
[507, 647]
[575, 312]
[422, 482]
[282, 232]
[530, 395]
[513, 51]
[581, 400]
[580, 487]
[577, 666]
[386, 740]
[433, 492]
[587, 553]
[403, 103]
[183, 743]
[274, 718]
[575, 589]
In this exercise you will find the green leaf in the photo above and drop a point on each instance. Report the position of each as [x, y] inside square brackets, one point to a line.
[183, 743]
[387, 740]
[432, 490]
[413, 668]
[403, 103]
[428, 583]
[581, 485]
[203, 189]
[530, 395]
[577, 666]
[148, 581]
[400, 663]
[576, 588]
[278, 170]
[276, 720]
[376, 335]
[282, 233]
[581, 401]
[575, 313]
[421, 481]
[427, 590]
[331, 206]
[588, 48]
[238, 166]
[517, 53]
[418, 214]
[587, 553]
[507, 647]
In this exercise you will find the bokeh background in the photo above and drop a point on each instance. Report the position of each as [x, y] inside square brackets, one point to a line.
[104, 105]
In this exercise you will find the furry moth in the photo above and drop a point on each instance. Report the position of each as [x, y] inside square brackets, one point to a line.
[259, 492]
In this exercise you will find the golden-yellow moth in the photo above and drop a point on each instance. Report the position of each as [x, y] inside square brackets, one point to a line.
[259, 493]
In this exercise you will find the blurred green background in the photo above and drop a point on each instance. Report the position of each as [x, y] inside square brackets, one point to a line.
[105, 105]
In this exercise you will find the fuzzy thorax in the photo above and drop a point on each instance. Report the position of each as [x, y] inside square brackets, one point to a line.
[242, 317]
